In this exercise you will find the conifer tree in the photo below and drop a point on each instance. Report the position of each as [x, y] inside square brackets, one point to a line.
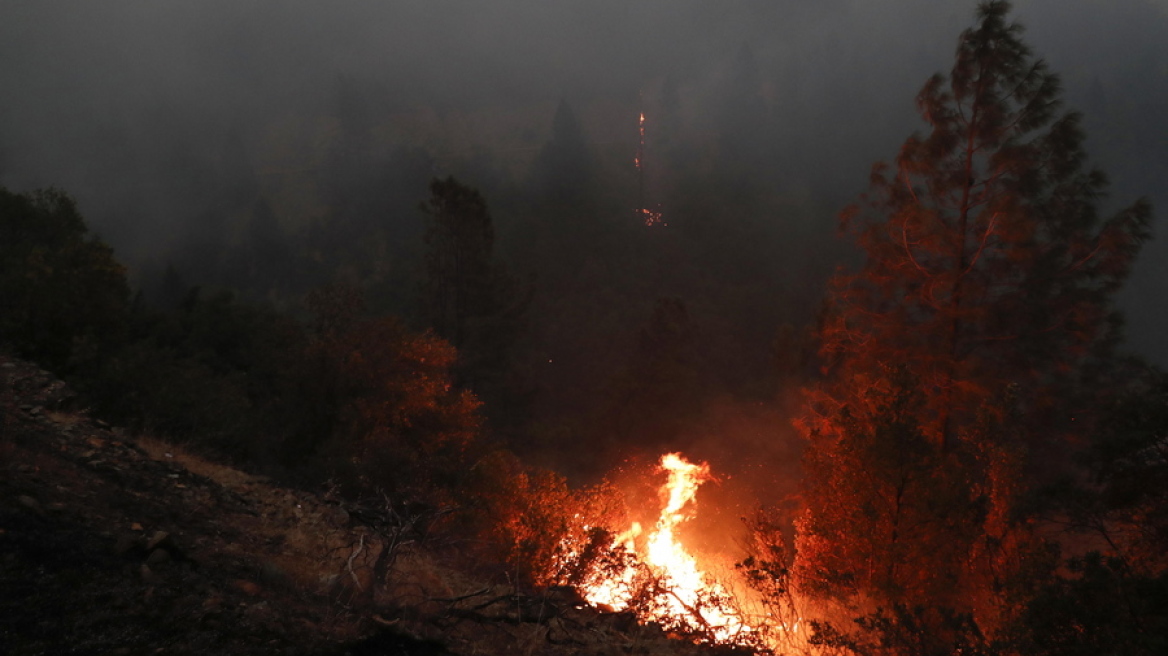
[469, 298]
[459, 270]
[987, 261]
[971, 336]
[562, 174]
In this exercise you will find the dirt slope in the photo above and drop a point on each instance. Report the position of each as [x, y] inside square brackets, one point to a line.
[118, 545]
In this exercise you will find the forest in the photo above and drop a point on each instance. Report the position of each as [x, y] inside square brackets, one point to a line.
[875, 357]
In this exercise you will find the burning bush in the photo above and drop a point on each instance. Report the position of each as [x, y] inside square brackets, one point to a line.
[652, 574]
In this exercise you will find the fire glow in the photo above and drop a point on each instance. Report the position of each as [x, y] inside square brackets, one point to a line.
[648, 216]
[659, 579]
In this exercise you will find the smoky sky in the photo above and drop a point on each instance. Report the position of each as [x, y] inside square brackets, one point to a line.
[139, 108]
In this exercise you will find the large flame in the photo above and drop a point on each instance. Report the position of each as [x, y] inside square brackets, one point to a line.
[681, 594]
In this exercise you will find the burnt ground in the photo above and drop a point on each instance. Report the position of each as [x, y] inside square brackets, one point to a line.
[119, 544]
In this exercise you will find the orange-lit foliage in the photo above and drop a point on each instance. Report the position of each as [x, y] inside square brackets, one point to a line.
[535, 517]
[398, 421]
[975, 332]
[987, 262]
[894, 518]
[904, 543]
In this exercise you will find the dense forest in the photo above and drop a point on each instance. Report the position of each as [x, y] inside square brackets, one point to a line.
[928, 431]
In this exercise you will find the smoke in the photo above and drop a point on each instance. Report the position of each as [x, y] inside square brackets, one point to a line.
[165, 119]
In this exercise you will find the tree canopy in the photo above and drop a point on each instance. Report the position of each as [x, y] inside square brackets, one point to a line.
[974, 336]
[60, 286]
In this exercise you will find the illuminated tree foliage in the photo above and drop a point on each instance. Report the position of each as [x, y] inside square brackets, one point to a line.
[974, 334]
[385, 402]
[987, 262]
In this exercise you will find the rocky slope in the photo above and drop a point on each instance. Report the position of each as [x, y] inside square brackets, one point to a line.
[112, 544]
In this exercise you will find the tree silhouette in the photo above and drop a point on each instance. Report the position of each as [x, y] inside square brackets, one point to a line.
[987, 263]
[975, 331]
[562, 173]
[459, 271]
[468, 298]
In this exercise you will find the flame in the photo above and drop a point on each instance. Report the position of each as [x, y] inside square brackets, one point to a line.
[682, 595]
[640, 144]
[652, 218]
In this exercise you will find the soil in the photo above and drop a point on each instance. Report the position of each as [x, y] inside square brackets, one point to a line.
[119, 544]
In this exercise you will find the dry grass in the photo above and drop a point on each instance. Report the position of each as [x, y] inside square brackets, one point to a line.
[307, 548]
[228, 477]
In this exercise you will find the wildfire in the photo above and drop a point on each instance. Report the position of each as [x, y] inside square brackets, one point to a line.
[650, 217]
[640, 156]
[658, 579]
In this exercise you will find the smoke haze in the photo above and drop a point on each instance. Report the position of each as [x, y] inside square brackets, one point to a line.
[166, 120]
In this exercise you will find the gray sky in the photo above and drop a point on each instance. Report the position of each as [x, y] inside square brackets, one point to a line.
[124, 102]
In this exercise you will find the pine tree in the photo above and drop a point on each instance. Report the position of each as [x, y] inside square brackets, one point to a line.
[459, 270]
[972, 334]
[987, 263]
[469, 298]
[562, 174]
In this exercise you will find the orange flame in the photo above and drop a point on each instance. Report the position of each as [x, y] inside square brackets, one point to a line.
[684, 595]
[641, 144]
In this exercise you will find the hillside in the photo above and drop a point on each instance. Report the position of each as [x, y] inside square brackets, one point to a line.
[119, 544]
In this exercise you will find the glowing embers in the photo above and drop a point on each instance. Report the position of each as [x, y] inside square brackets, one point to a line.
[651, 218]
[648, 216]
[655, 577]
[639, 159]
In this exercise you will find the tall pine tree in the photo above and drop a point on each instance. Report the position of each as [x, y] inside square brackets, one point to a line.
[469, 298]
[973, 336]
[987, 261]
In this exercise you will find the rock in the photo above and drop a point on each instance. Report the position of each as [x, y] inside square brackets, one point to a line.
[158, 557]
[147, 574]
[127, 545]
[273, 575]
[30, 503]
[565, 595]
[336, 517]
[246, 587]
[157, 540]
[624, 621]
[257, 610]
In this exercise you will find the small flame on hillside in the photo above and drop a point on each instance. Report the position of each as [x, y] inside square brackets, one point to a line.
[658, 579]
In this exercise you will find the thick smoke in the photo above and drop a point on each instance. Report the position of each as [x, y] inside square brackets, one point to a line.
[184, 129]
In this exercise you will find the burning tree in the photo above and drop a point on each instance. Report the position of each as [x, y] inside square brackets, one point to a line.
[977, 329]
